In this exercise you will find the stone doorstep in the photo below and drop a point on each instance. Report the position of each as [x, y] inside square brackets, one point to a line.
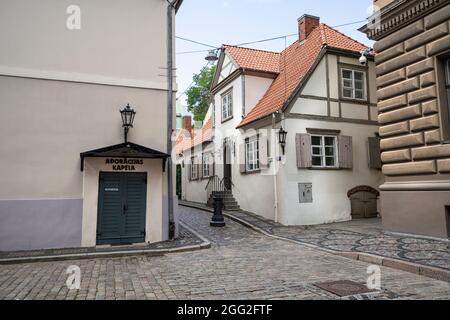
[113, 253]
[427, 271]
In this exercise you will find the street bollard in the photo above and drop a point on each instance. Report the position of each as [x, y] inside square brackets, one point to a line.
[218, 220]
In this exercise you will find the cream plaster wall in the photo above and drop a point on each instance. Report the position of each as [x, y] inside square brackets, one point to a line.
[47, 124]
[330, 202]
[310, 107]
[92, 169]
[119, 41]
[255, 88]
[316, 85]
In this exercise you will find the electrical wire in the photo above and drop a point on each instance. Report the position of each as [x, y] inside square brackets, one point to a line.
[253, 42]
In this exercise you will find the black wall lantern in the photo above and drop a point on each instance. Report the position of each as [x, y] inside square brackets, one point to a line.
[128, 115]
[282, 138]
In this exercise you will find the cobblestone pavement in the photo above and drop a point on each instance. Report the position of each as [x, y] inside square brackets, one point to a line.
[241, 264]
[369, 238]
[185, 239]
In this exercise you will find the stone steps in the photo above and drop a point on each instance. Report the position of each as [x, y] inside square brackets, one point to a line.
[230, 203]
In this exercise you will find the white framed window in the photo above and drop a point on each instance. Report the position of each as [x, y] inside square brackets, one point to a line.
[354, 84]
[324, 151]
[227, 105]
[252, 154]
[206, 165]
[194, 170]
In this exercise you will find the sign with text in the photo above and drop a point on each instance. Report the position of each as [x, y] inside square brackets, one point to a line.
[124, 164]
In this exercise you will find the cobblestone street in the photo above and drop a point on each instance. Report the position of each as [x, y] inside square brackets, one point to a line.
[241, 264]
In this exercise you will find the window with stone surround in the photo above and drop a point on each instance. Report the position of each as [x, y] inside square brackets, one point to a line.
[447, 83]
[353, 84]
[443, 73]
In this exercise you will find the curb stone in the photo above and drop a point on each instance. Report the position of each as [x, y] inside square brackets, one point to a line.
[427, 271]
[113, 254]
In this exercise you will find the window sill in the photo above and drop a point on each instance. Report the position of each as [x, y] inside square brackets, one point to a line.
[357, 101]
[252, 172]
[227, 119]
[326, 168]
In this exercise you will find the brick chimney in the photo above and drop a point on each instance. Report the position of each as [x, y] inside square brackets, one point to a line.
[306, 24]
[187, 123]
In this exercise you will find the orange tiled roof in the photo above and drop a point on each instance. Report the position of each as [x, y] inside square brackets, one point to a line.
[295, 62]
[253, 59]
[186, 140]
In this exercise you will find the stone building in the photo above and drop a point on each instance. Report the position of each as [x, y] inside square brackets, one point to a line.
[413, 78]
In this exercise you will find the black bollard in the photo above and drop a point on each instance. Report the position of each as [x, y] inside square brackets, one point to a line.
[218, 220]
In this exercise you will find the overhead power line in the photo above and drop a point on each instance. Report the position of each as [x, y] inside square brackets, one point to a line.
[254, 42]
[196, 42]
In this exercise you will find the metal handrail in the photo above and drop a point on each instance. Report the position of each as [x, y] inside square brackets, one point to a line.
[227, 182]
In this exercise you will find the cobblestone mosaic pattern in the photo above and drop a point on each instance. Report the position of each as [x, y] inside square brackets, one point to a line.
[435, 253]
[241, 264]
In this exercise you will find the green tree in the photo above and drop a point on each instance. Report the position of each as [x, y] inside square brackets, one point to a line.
[198, 95]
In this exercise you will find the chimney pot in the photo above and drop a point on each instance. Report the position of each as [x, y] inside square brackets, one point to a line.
[306, 24]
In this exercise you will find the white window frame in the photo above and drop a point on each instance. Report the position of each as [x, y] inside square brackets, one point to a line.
[252, 155]
[352, 88]
[206, 165]
[227, 105]
[194, 169]
[322, 154]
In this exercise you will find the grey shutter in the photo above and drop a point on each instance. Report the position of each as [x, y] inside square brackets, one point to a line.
[303, 150]
[211, 165]
[242, 157]
[200, 173]
[263, 157]
[374, 153]
[189, 171]
[345, 145]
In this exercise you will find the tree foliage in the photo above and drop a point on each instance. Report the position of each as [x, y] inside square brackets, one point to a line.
[198, 95]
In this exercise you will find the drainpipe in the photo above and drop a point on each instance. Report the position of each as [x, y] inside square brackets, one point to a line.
[274, 162]
[170, 93]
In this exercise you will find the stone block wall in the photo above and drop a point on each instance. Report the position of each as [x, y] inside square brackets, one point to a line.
[412, 123]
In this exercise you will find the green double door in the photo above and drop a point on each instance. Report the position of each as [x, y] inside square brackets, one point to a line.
[121, 208]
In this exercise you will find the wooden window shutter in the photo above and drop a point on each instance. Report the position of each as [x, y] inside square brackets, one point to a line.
[211, 165]
[199, 170]
[263, 153]
[374, 153]
[345, 145]
[242, 157]
[189, 171]
[303, 150]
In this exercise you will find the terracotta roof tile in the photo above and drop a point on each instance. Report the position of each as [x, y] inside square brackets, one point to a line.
[186, 140]
[295, 62]
[253, 59]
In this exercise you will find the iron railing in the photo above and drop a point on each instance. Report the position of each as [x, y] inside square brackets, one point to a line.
[215, 184]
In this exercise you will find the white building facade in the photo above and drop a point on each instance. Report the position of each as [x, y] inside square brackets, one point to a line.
[319, 93]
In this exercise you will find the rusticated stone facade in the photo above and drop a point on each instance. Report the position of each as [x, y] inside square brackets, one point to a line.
[412, 50]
